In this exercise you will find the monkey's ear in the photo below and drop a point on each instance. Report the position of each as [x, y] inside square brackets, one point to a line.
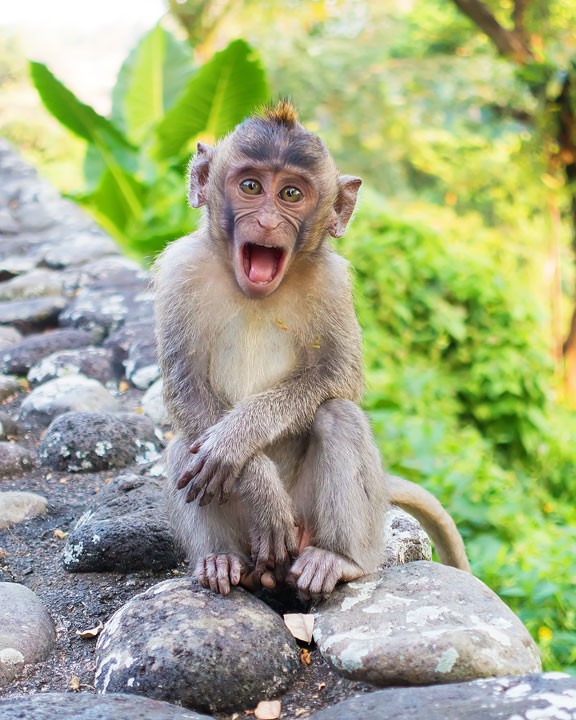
[348, 186]
[198, 172]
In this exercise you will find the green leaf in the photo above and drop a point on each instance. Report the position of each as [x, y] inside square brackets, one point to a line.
[150, 80]
[215, 100]
[81, 119]
[116, 203]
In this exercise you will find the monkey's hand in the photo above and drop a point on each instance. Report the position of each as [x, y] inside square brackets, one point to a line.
[214, 468]
[316, 572]
[221, 572]
[273, 543]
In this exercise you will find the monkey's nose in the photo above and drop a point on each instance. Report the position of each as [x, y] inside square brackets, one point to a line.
[268, 221]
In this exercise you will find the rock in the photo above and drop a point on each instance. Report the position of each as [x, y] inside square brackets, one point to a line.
[7, 223]
[16, 507]
[18, 359]
[122, 339]
[12, 266]
[80, 441]
[406, 541]
[95, 312]
[9, 386]
[14, 460]
[73, 393]
[92, 362]
[32, 315]
[35, 206]
[86, 706]
[142, 363]
[8, 336]
[178, 642]
[531, 697]
[27, 632]
[107, 295]
[83, 247]
[113, 271]
[123, 530]
[422, 623]
[7, 425]
[37, 283]
[153, 404]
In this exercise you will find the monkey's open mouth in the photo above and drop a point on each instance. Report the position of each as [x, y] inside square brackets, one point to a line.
[261, 263]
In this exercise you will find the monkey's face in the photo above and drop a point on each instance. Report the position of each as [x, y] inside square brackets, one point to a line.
[266, 213]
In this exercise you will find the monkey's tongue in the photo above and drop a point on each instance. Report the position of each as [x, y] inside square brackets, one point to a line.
[263, 262]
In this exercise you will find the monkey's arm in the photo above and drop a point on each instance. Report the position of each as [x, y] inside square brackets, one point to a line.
[434, 519]
[287, 408]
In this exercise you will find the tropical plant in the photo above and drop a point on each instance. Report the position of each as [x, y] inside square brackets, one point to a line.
[135, 160]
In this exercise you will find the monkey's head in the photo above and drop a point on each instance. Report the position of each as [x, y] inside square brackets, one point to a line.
[272, 190]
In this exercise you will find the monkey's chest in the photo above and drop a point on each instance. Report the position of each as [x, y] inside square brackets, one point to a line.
[248, 357]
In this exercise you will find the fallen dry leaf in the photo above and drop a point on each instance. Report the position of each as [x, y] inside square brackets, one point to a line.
[3, 554]
[168, 435]
[61, 534]
[305, 657]
[75, 683]
[321, 686]
[301, 711]
[92, 632]
[268, 710]
[123, 386]
[300, 625]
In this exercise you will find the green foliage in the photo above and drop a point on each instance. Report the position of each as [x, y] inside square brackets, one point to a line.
[439, 302]
[161, 103]
[457, 390]
[217, 98]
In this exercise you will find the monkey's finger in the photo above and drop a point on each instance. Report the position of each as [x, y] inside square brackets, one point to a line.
[184, 480]
[249, 581]
[268, 581]
[205, 497]
[195, 447]
[213, 486]
[324, 581]
[262, 556]
[237, 569]
[200, 573]
[223, 574]
[188, 475]
[212, 572]
[226, 489]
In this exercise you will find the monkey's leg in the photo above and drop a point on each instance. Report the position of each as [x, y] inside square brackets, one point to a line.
[340, 500]
[219, 540]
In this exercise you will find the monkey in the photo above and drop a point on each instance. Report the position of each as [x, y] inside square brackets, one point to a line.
[273, 475]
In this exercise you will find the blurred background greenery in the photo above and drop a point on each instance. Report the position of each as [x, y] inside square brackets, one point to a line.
[460, 117]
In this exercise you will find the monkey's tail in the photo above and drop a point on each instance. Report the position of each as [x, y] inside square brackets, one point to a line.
[430, 513]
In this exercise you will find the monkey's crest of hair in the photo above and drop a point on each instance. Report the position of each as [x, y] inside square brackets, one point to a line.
[283, 113]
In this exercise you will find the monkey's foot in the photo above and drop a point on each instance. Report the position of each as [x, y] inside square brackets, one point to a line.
[221, 572]
[316, 572]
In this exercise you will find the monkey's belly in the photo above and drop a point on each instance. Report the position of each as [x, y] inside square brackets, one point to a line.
[248, 358]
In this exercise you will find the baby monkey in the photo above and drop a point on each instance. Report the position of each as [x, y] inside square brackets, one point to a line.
[273, 475]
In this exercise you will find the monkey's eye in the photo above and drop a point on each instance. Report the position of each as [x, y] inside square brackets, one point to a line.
[290, 194]
[251, 187]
